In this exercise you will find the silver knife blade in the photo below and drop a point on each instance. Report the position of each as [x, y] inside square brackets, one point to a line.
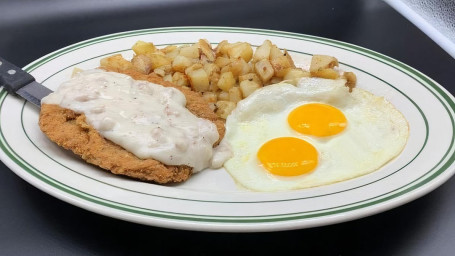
[34, 92]
[17, 81]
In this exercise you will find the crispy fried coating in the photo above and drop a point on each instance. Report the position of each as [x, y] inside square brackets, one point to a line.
[71, 131]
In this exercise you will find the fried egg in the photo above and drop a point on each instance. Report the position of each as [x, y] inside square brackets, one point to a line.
[286, 137]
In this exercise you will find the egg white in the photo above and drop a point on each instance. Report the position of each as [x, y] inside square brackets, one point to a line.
[376, 133]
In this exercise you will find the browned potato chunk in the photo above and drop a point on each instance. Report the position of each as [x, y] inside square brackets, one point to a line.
[222, 95]
[168, 49]
[214, 82]
[226, 81]
[207, 50]
[296, 73]
[275, 52]
[141, 47]
[252, 77]
[158, 60]
[211, 69]
[264, 70]
[319, 62]
[142, 63]
[280, 65]
[199, 80]
[180, 63]
[193, 67]
[210, 97]
[172, 54]
[191, 51]
[159, 72]
[241, 50]
[222, 61]
[116, 62]
[263, 51]
[290, 60]
[225, 69]
[239, 67]
[224, 108]
[275, 80]
[222, 48]
[327, 73]
[168, 78]
[181, 79]
[351, 80]
[235, 95]
[248, 87]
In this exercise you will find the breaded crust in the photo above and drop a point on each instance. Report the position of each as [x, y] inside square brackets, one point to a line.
[71, 131]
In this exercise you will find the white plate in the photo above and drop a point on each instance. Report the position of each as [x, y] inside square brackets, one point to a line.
[210, 200]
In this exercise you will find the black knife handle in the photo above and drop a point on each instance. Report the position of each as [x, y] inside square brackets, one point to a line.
[13, 78]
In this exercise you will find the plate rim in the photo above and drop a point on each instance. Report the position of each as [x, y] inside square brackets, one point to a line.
[442, 92]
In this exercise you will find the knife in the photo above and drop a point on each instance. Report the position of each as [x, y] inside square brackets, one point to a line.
[18, 82]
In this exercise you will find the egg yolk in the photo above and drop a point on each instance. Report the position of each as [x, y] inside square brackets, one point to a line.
[288, 156]
[317, 119]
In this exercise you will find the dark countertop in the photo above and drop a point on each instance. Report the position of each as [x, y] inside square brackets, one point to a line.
[34, 223]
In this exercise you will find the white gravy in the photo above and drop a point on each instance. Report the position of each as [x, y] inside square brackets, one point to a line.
[147, 119]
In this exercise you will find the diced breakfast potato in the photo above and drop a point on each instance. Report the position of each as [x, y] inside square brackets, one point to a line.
[252, 77]
[224, 108]
[263, 51]
[211, 69]
[181, 79]
[290, 60]
[161, 71]
[222, 61]
[296, 73]
[116, 62]
[158, 60]
[142, 63]
[169, 49]
[235, 95]
[223, 95]
[227, 73]
[275, 52]
[226, 81]
[141, 47]
[280, 65]
[193, 67]
[275, 80]
[167, 78]
[207, 50]
[214, 82]
[351, 80]
[199, 80]
[180, 63]
[264, 70]
[210, 96]
[327, 73]
[191, 52]
[241, 50]
[239, 67]
[172, 54]
[319, 62]
[225, 69]
[248, 87]
[220, 49]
